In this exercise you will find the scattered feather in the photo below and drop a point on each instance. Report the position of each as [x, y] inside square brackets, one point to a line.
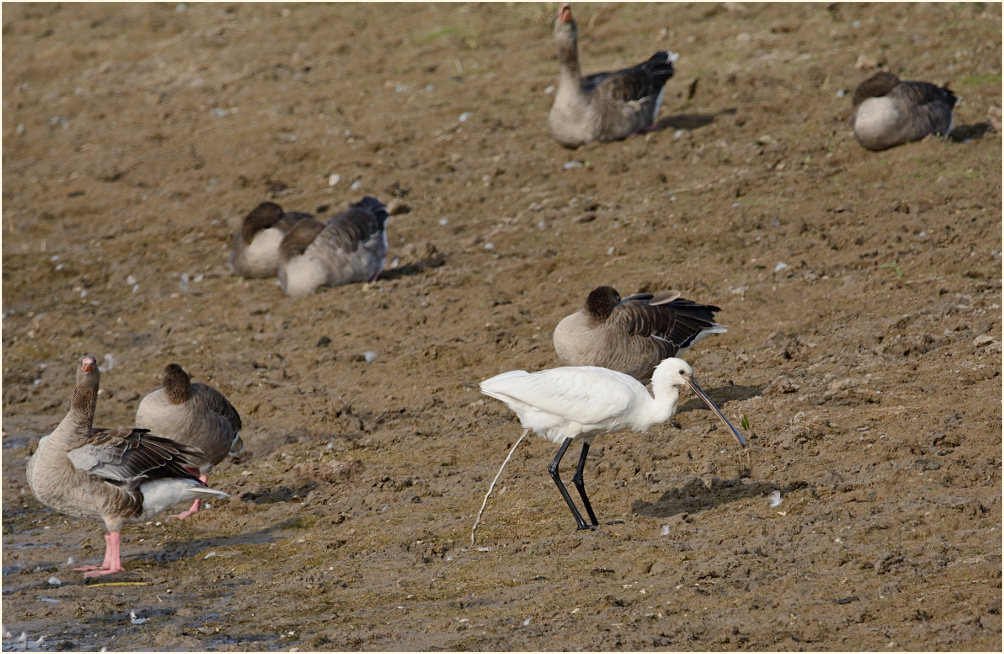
[54, 581]
[133, 619]
[775, 499]
[780, 266]
[497, 475]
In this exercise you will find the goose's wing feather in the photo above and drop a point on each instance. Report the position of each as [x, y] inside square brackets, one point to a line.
[677, 323]
[129, 456]
[924, 93]
[361, 225]
[635, 83]
[213, 400]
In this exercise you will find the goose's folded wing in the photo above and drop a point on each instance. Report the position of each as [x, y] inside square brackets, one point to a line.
[126, 456]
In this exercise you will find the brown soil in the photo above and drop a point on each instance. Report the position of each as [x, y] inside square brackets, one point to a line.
[135, 137]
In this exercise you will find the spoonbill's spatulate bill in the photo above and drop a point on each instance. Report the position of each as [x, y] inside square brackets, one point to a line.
[565, 404]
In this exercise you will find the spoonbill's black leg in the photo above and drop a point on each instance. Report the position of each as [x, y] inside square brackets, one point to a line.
[577, 480]
[553, 470]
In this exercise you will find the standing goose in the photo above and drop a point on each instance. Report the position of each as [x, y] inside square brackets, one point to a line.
[632, 335]
[351, 247]
[196, 415]
[112, 475]
[255, 249]
[887, 111]
[604, 106]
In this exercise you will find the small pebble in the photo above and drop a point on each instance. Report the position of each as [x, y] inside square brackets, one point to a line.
[333, 179]
[356, 185]
[572, 164]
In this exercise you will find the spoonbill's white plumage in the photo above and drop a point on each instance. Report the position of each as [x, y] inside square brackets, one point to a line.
[112, 475]
[632, 334]
[578, 403]
[605, 106]
[887, 111]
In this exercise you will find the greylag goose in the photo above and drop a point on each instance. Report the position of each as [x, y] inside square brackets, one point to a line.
[112, 475]
[196, 415]
[633, 334]
[579, 403]
[351, 247]
[604, 106]
[887, 111]
[255, 249]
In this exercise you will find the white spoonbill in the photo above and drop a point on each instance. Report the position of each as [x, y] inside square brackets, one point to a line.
[564, 404]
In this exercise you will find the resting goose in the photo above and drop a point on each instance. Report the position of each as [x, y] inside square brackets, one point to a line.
[112, 475]
[351, 247]
[887, 111]
[605, 106]
[255, 249]
[196, 415]
[632, 335]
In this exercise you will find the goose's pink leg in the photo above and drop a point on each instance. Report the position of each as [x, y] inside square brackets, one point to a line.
[196, 505]
[112, 562]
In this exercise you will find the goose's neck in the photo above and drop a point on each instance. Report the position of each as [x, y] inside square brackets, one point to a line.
[568, 59]
[76, 426]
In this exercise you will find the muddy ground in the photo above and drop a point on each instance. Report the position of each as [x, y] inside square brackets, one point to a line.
[862, 292]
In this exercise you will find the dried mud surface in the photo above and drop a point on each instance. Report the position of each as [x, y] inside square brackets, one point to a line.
[136, 136]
